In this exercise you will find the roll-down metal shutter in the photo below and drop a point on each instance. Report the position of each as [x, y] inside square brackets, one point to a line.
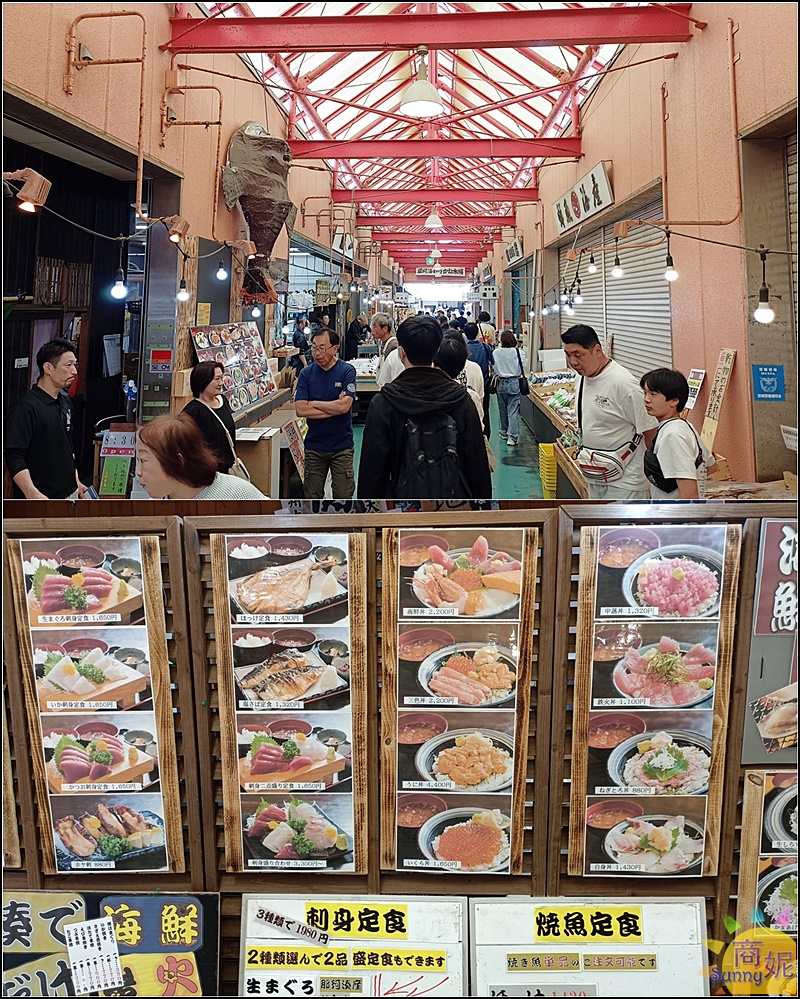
[791, 171]
[637, 304]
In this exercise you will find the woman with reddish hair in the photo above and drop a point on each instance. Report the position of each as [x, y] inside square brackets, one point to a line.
[173, 461]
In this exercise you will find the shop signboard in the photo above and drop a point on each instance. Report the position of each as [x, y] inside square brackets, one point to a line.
[592, 194]
[471, 296]
[767, 895]
[789, 437]
[513, 252]
[322, 294]
[168, 943]
[457, 636]
[290, 617]
[588, 947]
[352, 946]
[653, 665]
[204, 313]
[770, 731]
[116, 453]
[439, 271]
[96, 672]
[247, 378]
[490, 291]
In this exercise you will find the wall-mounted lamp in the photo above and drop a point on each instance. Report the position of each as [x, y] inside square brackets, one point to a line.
[177, 227]
[33, 192]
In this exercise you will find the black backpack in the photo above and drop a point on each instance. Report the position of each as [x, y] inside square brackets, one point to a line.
[652, 466]
[430, 467]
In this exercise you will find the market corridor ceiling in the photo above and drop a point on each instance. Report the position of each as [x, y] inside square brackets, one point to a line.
[512, 77]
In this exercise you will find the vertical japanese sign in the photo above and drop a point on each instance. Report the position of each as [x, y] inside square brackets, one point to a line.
[168, 944]
[591, 946]
[94, 660]
[770, 733]
[290, 613]
[651, 692]
[457, 656]
[767, 894]
[361, 946]
[247, 378]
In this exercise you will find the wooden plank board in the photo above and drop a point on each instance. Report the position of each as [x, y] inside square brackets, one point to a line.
[12, 855]
[111, 604]
[719, 387]
[389, 596]
[124, 773]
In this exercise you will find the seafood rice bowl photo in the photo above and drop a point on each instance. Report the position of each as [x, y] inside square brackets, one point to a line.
[678, 582]
[667, 762]
[473, 762]
[476, 842]
[667, 675]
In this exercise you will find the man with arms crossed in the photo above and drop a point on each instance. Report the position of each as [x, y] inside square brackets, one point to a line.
[325, 393]
[38, 440]
[610, 410]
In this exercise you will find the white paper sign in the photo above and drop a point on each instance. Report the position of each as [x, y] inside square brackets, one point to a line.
[93, 955]
[789, 437]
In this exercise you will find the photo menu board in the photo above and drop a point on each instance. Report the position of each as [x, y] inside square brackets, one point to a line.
[651, 699]
[291, 634]
[458, 625]
[247, 379]
[94, 659]
[767, 894]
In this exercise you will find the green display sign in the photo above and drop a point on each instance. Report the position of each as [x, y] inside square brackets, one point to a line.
[114, 476]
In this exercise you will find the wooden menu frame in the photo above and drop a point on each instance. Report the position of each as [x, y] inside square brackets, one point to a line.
[357, 605]
[750, 852]
[178, 783]
[530, 549]
[12, 855]
[583, 678]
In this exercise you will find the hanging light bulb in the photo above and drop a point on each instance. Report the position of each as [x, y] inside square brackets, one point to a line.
[578, 299]
[616, 270]
[670, 274]
[555, 306]
[353, 286]
[421, 99]
[592, 268]
[545, 311]
[532, 313]
[763, 314]
[183, 292]
[120, 289]
[568, 310]
[564, 295]
[255, 312]
[221, 272]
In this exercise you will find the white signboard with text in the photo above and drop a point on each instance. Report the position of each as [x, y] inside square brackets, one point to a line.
[386, 945]
[588, 946]
[592, 194]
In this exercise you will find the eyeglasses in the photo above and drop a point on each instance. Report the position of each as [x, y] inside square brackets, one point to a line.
[320, 348]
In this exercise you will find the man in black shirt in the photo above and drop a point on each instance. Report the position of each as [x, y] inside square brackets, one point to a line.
[38, 442]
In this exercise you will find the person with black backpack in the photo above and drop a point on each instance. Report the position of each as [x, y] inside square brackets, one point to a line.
[423, 437]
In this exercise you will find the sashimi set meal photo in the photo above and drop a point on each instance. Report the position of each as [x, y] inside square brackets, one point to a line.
[290, 757]
[292, 829]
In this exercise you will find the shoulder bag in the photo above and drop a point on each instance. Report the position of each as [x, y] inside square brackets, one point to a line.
[603, 466]
[652, 466]
[238, 469]
[524, 384]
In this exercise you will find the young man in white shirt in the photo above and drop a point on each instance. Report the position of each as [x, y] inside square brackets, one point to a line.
[682, 457]
[611, 412]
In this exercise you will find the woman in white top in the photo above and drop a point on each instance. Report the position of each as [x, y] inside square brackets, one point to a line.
[509, 364]
[676, 462]
[174, 462]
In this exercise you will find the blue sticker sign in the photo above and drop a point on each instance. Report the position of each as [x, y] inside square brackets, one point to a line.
[768, 383]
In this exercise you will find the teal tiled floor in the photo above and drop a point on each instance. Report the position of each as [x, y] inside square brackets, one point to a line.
[517, 475]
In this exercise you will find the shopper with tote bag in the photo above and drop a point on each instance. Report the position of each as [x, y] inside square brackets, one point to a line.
[210, 411]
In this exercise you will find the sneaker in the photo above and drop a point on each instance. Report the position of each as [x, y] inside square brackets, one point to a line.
[503, 437]
[513, 443]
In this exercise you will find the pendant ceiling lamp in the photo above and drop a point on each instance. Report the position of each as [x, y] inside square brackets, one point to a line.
[433, 221]
[421, 99]
[436, 252]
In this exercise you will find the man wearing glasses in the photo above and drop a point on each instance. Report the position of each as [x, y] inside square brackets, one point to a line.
[325, 393]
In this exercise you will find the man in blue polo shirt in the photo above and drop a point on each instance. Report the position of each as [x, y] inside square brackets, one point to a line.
[325, 393]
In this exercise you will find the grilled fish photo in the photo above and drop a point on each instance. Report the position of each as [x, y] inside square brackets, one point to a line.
[291, 659]
[289, 685]
[278, 589]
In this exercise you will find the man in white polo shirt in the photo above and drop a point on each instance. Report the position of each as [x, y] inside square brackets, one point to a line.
[611, 412]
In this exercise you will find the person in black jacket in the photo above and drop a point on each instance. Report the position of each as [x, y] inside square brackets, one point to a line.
[421, 391]
[356, 333]
[212, 413]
